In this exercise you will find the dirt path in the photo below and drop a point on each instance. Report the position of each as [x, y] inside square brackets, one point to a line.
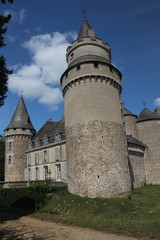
[34, 229]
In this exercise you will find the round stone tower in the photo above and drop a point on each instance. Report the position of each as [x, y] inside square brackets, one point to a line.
[148, 124]
[17, 135]
[130, 120]
[95, 136]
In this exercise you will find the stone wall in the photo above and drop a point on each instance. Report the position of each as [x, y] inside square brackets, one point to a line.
[97, 160]
[137, 170]
[148, 132]
[15, 166]
[131, 125]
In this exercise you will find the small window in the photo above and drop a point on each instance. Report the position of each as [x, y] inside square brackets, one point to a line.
[58, 153]
[37, 173]
[29, 174]
[36, 158]
[72, 54]
[45, 156]
[96, 65]
[29, 159]
[9, 159]
[78, 67]
[10, 146]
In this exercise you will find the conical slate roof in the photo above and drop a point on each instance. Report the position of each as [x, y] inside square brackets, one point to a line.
[84, 29]
[147, 115]
[20, 117]
[127, 112]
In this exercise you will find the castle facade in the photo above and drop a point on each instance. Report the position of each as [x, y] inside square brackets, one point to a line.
[99, 148]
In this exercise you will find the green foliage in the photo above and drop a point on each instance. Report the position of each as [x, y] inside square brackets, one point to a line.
[2, 157]
[4, 72]
[138, 216]
[4, 1]
[37, 192]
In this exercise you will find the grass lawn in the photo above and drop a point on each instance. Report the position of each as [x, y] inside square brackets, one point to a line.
[138, 216]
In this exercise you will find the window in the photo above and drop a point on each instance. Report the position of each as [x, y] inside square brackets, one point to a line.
[78, 67]
[96, 65]
[29, 174]
[10, 146]
[58, 172]
[9, 159]
[45, 172]
[45, 156]
[58, 153]
[36, 158]
[37, 173]
[29, 159]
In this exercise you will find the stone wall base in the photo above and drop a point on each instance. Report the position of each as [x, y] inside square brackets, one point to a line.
[97, 160]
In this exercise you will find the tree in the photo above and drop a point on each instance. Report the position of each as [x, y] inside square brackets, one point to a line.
[2, 157]
[4, 1]
[4, 72]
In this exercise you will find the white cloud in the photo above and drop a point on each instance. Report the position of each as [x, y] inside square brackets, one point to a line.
[157, 102]
[16, 16]
[41, 78]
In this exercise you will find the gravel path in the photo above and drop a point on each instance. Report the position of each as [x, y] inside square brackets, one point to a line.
[34, 229]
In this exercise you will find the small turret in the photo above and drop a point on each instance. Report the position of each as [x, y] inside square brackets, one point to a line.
[17, 135]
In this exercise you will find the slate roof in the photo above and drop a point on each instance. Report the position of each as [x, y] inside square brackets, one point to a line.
[50, 128]
[133, 140]
[127, 112]
[147, 115]
[84, 29]
[20, 117]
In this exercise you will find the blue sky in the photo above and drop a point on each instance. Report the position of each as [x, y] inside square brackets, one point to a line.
[40, 31]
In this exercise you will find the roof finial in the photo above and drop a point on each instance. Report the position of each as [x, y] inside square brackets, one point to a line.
[84, 12]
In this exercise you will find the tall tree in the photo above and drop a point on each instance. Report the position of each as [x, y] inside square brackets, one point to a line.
[2, 157]
[4, 71]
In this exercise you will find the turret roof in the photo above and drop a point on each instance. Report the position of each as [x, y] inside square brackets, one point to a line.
[84, 29]
[127, 112]
[20, 117]
[147, 115]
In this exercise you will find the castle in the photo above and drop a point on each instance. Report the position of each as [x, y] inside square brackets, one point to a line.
[99, 147]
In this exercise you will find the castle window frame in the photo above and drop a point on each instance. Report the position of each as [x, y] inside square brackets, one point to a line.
[36, 173]
[57, 153]
[45, 156]
[78, 67]
[9, 146]
[96, 65]
[36, 158]
[29, 159]
[29, 174]
[9, 159]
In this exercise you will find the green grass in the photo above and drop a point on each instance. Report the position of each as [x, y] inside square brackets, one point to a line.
[138, 216]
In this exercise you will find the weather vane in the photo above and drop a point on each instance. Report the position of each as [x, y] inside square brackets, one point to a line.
[84, 12]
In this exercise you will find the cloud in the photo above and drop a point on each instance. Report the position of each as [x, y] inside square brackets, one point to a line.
[41, 78]
[157, 102]
[16, 16]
